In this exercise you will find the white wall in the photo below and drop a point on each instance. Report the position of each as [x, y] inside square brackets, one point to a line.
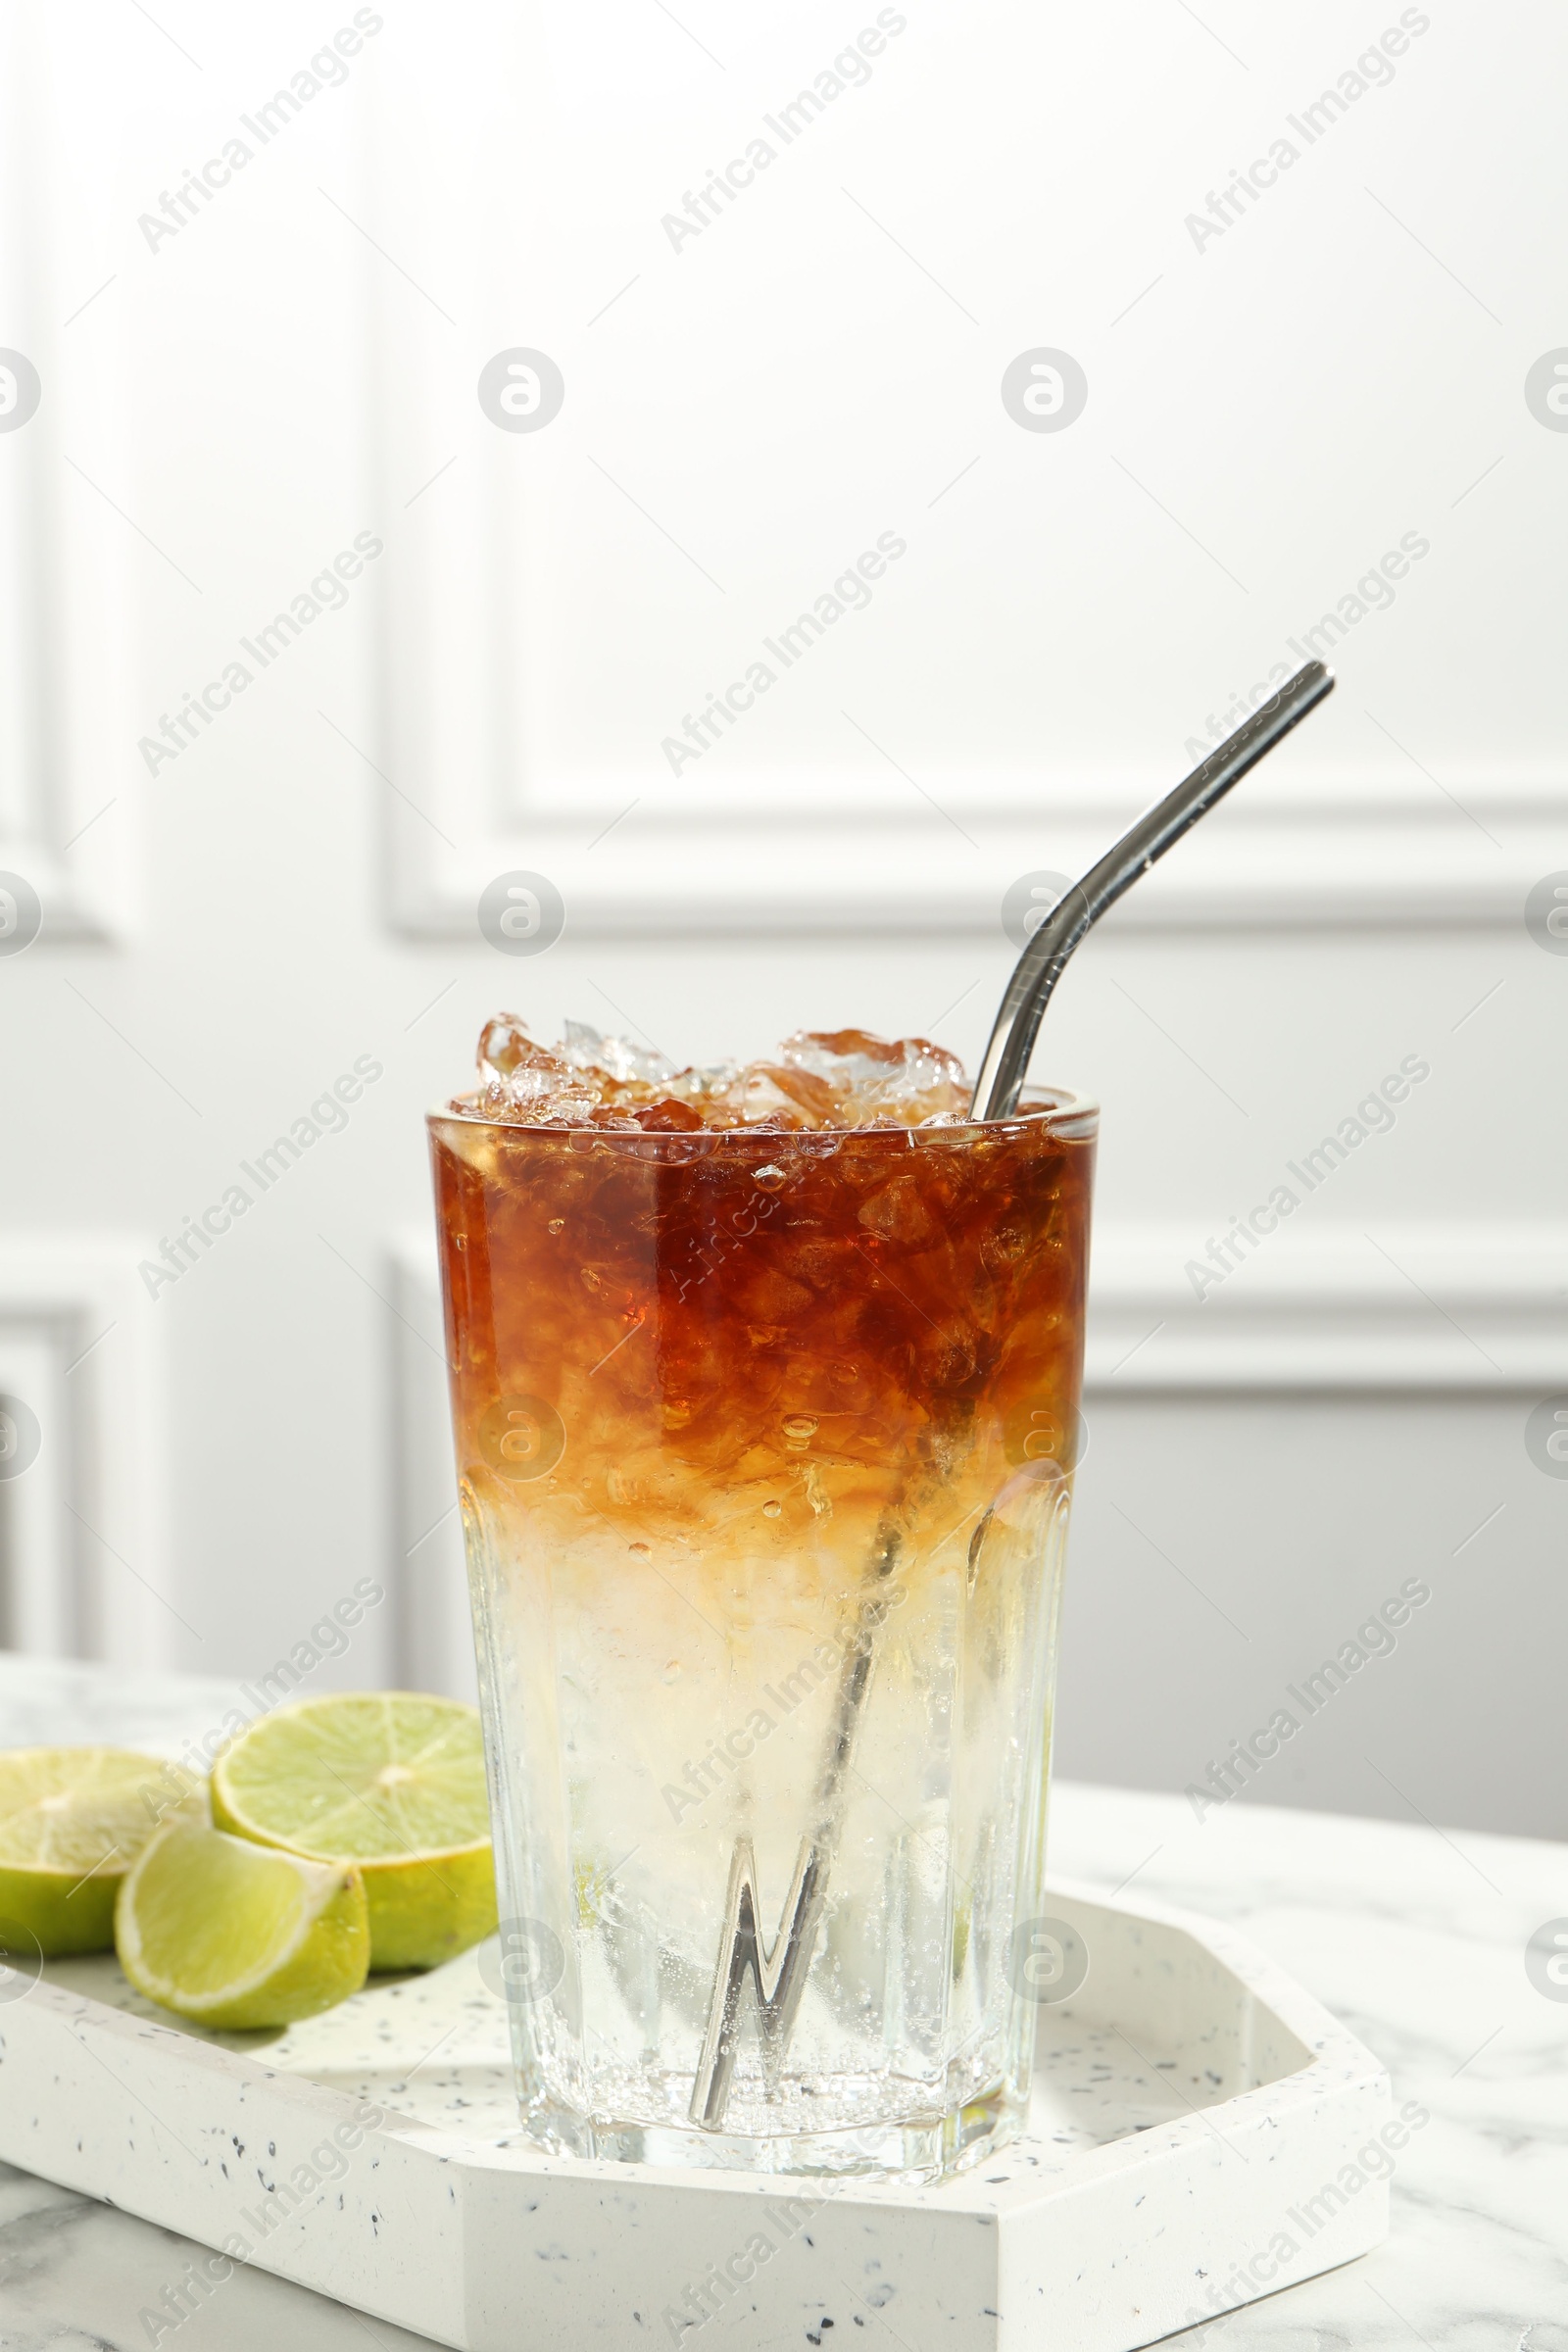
[224, 408]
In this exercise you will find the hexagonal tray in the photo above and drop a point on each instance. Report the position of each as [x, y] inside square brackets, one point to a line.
[1191, 2147]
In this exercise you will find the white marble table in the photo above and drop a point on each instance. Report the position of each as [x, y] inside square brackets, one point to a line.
[1414, 1936]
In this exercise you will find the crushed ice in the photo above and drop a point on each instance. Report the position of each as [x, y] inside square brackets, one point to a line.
[821, 1079]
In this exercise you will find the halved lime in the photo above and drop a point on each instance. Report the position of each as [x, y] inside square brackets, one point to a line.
[392, 1781]
[238, 1934]
[72, 1822]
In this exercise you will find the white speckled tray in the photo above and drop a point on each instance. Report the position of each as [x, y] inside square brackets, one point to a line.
[1191, 2147]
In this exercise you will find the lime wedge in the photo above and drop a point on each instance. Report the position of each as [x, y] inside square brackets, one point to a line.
[391, 1780]
[237, 1934]
[72, 1822]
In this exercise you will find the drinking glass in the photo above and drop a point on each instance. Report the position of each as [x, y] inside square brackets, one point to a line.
[764, 1443]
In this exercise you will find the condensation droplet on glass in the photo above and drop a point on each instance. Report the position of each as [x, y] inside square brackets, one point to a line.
[557, 1225]
[771, 1510]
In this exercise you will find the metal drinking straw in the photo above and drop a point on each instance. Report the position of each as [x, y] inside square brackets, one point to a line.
[1043, 960]
[780, 1973]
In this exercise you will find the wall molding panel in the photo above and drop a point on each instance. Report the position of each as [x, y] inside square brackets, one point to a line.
[857, 870]
[66, 729]
[86, 1566]
[558, 606]
[1480, 1308]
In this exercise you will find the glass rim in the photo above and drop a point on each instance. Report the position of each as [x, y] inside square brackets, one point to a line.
[1074, 1116]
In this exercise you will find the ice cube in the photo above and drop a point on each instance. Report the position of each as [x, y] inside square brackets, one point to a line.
[844, 1058]
[506, 1047]
[534, 1103]
[618, 1056]
[874, 1078]
[583, 1047]
[667, 1116]
[703, 1083]
[757, 1096]
[926, 1080]
[898, 1212]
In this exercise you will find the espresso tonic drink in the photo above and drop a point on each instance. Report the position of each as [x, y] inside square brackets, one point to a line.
[764, 1387]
